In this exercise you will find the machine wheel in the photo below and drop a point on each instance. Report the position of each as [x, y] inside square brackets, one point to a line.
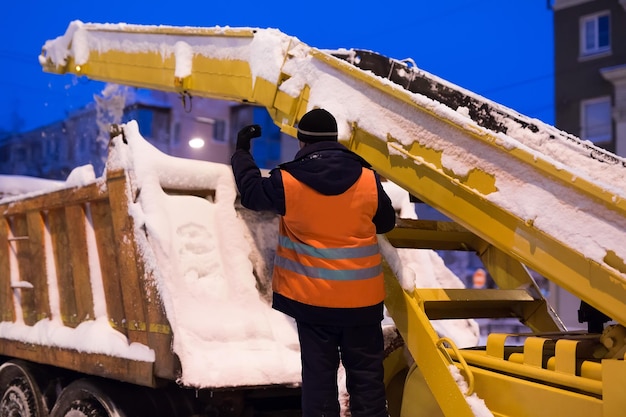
[20, 392]
[86, 398]
[85, 408]
[93, 397]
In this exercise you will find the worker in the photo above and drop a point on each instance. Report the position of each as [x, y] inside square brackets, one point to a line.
[327, 271]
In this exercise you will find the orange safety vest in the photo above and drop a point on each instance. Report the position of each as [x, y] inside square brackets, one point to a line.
[328, 254]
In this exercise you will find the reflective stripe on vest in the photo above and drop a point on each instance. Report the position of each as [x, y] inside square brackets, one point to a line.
[328, 252]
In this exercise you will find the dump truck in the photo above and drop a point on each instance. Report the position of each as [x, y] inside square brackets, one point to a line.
[526, 197]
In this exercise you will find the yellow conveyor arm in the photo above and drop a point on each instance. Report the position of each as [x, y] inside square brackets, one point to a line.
[532, 195]
[438, 155]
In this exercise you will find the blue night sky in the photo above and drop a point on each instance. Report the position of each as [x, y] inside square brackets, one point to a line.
[502, 50]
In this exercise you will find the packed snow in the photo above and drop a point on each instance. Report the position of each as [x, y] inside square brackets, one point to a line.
[21, 185]
[554, 205]
[203, 252]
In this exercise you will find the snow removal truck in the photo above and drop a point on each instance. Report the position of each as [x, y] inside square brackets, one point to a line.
[112, 305]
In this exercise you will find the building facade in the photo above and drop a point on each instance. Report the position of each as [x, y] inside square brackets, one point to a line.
[197, 128]
[590, 71]
[51, 151]
[590, 89]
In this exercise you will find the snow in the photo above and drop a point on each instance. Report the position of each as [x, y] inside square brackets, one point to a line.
[202, 252]
[224, 333]
[208, 248]
[475, 402]
[13, 185]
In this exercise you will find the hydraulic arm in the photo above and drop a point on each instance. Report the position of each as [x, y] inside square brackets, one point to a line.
[522, 194]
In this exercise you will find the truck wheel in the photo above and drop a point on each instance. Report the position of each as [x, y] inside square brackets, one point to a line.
[20, 394]
[85, 409]
[92, 397]
[86, 398]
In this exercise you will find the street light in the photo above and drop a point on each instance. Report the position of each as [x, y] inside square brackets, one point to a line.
[196, 143]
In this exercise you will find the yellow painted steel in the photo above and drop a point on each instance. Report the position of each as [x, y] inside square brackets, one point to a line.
[416, 168]
[506, 271]
[553, 375]
[511, 395]
[422, 403]
[521, 386]
[436, 235]
[396, 368]
[422, 341]
[600, 285]
[517, 387]
[613, 382]
[479, 134]
[509, 274]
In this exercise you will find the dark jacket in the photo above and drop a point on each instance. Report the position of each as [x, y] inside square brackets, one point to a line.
[330, 168]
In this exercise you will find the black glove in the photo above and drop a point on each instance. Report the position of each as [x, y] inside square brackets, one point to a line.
[245, 135]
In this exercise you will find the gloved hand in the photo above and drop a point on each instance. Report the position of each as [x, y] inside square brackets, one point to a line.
[245, 135]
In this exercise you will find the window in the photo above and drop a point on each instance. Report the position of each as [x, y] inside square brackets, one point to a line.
[37, 153]
[52, 149]
[5, 152]
[145, 119]
[596, 120]
[19, 154]
[219, 131]
[595, 34]
[154, 123]
[267, 151]
[176, 139]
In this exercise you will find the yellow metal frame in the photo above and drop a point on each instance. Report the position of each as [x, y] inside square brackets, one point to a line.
[602, 286]
[423, 343]
[505, 242]
[416, 168]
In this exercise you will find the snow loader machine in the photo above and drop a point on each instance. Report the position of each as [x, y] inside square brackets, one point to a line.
[524, 196]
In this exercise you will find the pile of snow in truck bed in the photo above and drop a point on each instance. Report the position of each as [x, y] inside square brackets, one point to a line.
[225, 331]
[202, 253]
[524, 191]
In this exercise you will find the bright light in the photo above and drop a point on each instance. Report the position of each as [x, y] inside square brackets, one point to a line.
[196, 143]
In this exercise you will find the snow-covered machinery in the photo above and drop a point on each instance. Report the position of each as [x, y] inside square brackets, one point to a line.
[521, 194]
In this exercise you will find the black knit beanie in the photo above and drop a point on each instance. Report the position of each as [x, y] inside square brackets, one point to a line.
[317, 125]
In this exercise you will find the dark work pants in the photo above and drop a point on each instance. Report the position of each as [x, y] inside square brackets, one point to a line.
[361, 350]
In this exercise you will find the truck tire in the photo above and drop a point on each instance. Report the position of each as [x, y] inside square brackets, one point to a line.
[92, 397]
[87, 398]
[20, 392]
